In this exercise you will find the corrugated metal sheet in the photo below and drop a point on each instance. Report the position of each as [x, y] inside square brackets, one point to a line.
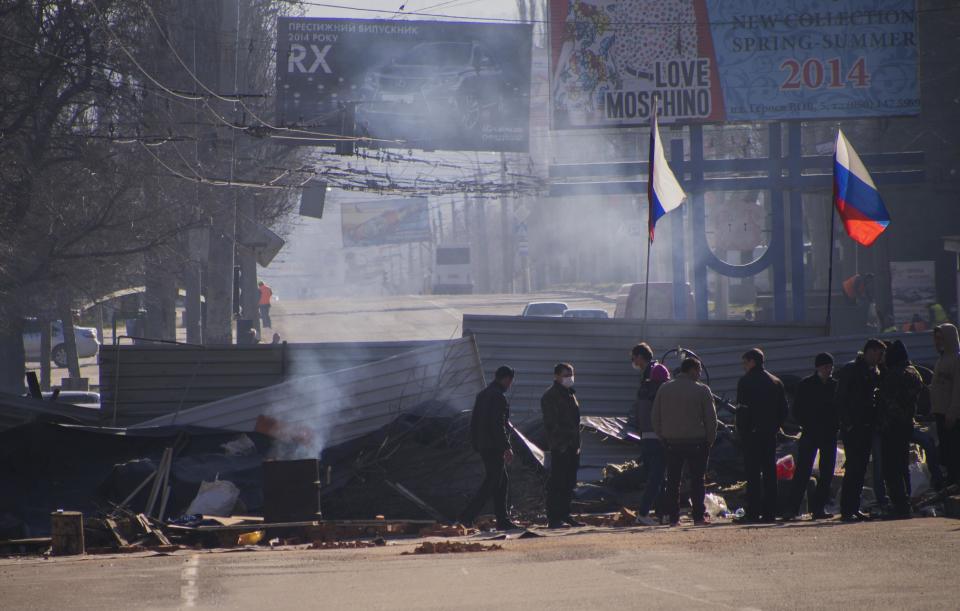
[15, 411]
[146, 381]
[599, 349]
[348, 403]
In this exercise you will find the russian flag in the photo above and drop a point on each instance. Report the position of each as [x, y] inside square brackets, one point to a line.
[855, 196]
[663, 191]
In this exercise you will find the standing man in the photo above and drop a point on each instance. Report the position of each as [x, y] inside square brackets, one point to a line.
[652, 455]
[945, 397]
[685, 419]
[265, 294]
[490, 436]
[762, 410]
[816, 413]
[857, 387]
[561, 419]
[900, 388]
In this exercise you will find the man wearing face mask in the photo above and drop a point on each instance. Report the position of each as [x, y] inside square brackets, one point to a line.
[816, 413]
[652, 376]
[561, 419]
[490, 436]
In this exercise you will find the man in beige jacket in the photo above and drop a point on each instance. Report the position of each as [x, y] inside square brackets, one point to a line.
[685, 419]
[945, 397]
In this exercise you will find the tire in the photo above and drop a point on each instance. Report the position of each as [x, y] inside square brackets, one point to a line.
[59, 355]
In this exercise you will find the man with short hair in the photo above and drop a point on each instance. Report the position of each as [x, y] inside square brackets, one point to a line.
[264, 304]
[816, 413]
[490, 436]
[856, 398]
[761, 411]
[652, 455]
[684, 417]
[561, 419]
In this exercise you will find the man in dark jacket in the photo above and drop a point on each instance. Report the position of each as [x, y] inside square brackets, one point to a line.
[900, 386]
[490, 435]
[762, 409]
[816, 413]
[856, 398]
[652, 453]
[561, 419]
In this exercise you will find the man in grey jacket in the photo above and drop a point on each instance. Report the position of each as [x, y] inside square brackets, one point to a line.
[685, 419]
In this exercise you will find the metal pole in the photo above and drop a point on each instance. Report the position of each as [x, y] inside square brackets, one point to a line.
[833, 221]
[646, 292]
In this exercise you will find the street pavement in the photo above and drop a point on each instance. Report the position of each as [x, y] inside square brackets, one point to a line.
[802, 565]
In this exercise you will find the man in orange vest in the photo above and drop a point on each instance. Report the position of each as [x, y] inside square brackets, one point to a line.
[265, 294]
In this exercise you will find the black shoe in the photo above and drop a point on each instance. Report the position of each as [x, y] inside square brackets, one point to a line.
[788, 517]
[855, 517]
[557, 524]
[506, 525]
[863, 517]
[573, 522]
[822, 515]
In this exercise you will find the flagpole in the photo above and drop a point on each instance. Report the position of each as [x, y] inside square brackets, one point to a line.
[646, 293]
[833, 221]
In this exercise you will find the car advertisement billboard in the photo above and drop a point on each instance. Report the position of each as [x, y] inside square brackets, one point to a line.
[406, 84]
[389, 221]
[730, 60]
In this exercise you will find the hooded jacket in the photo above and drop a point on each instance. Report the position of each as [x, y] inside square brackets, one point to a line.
[900, 387]
[856, 399]
[561, 418]
[945, 389]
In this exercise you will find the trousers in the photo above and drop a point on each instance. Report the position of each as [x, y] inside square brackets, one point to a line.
[495, 484]
[564, 465]
[812, 441]
[695, 456]
[760, 464]
[653, 456]
[857, 443]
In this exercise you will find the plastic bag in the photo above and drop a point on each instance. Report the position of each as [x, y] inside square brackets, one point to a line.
[919, 479]
[215, 498]
[241, 446]
[716, 505]
[786, 467]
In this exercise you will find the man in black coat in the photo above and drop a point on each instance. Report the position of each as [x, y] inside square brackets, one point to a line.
[561, 419]
[857, 387]
[490, 435]
[816, 413]
[762, 409]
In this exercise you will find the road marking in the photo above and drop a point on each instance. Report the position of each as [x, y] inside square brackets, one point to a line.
[188, 581]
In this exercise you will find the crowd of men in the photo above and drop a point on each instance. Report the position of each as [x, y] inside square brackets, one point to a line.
[870, 404]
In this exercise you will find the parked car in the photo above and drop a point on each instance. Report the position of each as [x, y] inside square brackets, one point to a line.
[586, 313]
[553, 309]
[87, 342]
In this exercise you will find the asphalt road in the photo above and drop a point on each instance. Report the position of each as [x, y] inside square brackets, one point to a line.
[806, 565]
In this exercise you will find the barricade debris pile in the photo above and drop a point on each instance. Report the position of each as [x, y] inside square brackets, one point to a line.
[453, 547]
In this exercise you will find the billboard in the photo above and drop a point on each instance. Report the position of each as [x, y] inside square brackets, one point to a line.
[389, 221]
[913, 289]
[730, 60]
[407, 84]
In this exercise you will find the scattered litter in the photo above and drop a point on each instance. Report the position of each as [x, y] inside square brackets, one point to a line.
[452, 547]
[342, 544]
[447, 530]
[215, 498]
[716, 506]
[251, 538]
[786, 467]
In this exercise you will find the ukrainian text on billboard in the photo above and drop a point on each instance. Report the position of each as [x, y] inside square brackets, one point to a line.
[406, 84]
[612, 61]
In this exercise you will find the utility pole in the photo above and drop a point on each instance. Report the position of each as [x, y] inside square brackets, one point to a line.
[505, 229]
